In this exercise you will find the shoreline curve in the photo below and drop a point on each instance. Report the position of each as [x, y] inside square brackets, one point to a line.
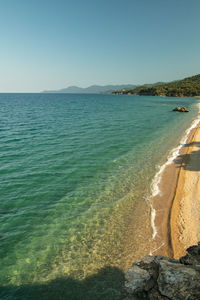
[163, 200]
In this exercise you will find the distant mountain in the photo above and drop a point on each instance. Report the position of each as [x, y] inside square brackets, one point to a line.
[188, 87]
[93, 89]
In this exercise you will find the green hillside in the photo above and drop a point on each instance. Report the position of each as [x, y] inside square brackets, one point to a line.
[188, 87]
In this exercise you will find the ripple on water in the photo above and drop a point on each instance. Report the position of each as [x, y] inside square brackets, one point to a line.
[75, 172]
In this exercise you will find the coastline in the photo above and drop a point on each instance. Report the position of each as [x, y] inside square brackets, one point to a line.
[173, 226]
[185, 213]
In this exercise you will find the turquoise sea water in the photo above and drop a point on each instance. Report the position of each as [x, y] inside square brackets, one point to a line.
[73, 169]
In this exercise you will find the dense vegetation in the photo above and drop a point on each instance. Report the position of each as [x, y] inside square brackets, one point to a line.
[188, 87]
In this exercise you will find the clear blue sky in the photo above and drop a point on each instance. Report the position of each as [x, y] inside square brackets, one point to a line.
[51, 44]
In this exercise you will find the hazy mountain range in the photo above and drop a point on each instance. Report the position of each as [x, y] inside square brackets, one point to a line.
[96, 89]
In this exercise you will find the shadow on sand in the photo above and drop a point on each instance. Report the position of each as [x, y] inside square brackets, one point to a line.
[186, 161]
[107, 284]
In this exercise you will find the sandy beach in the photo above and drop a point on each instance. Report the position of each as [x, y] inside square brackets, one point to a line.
[185, 212]
[177, 206]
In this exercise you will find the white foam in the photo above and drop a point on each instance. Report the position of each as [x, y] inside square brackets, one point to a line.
[153, 216]
[155, 190]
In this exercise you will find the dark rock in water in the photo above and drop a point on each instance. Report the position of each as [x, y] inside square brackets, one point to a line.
[159, 277]
[181, 109]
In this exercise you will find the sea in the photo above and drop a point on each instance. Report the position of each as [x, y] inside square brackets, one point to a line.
[76, 173]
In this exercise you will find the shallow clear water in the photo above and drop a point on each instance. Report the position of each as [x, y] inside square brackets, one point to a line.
[73, 168]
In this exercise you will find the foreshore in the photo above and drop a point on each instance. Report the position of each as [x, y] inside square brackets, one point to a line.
[177, 207]
[185, 212]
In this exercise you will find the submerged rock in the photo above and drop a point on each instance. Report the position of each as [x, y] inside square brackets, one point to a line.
[181, 109]
[159, 277]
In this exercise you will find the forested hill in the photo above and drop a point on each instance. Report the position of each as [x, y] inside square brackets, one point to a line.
[188, 87]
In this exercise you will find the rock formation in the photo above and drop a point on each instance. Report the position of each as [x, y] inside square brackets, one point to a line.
[159, 277]
[181, 109]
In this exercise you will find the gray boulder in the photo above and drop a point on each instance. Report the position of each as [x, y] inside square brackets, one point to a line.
[192, 257]
[177, 281]
[159, 277]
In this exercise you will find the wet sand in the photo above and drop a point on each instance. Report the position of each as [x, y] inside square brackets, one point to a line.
[177, 207]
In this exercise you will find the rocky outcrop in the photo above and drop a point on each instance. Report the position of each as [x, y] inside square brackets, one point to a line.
[159, 277]
[181, 109]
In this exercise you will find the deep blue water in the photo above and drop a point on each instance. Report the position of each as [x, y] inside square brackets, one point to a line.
[73, 168]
